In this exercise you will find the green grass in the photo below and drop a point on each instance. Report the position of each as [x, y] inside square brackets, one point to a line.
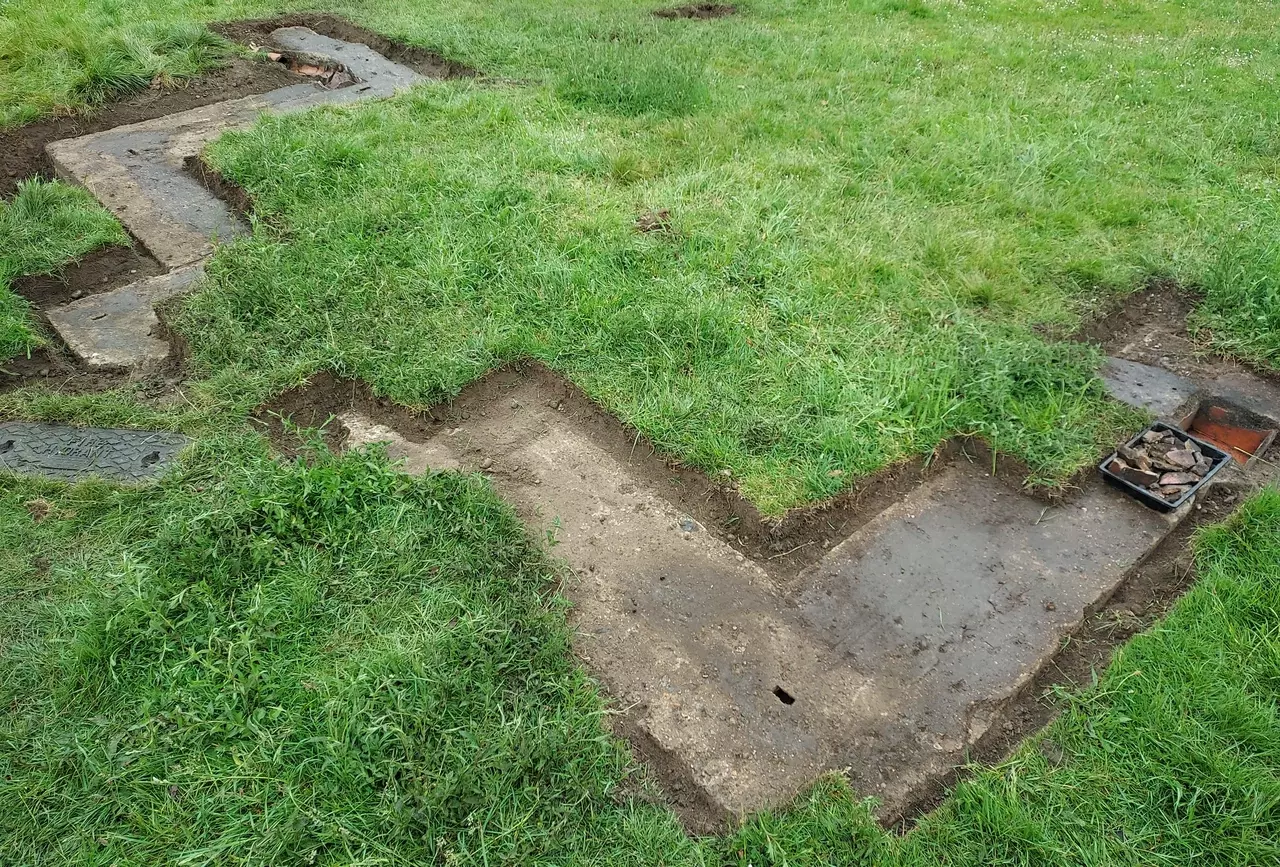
[57, 57]
[333, 663]
[884, 217]
[42, 227]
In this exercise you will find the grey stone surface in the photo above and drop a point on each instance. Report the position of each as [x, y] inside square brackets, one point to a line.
[688, 635]
[376, 73]
[953, 599]
[118, 329]
[139, 171]
[1251, 392]
[70, 454]
[1150, 388]
[898, 648]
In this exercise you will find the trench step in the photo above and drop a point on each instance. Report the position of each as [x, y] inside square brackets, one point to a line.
[119, 329]
[138, 171]
[72, 454]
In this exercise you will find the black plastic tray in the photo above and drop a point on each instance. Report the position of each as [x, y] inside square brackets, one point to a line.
[1155, 501]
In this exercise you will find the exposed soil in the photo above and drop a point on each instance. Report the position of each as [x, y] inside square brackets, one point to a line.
[700, 11]
[22, 149]
[234, 195]
[698, 814]
[1150, 327]
[54, 370]
[1146, 595]
[257, 33]
[99, 271]
[783, 545]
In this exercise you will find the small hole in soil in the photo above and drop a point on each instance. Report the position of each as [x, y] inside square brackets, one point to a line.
[151, 459]
[698, 11]
[6, 446]
[784, 696]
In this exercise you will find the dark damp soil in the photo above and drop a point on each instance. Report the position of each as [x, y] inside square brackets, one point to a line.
[1150, 327]
[784, 546]
[699, 11]
[1146, 594]
[102, 270]
[257, 33]
[53, 370]
[698, 814]
[22, 148]
[234, 195]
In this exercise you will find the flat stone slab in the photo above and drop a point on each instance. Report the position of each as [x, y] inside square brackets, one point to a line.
[377, 75]
[889, 658]
[685, 632]
[119, 329]
[139, 171]
[70, 454]
[954, 598]
[1153, 389]
[1164, 393]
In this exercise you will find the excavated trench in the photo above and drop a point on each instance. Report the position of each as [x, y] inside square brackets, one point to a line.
[897, 632]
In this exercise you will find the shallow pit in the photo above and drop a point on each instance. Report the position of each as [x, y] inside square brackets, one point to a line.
[698, 11]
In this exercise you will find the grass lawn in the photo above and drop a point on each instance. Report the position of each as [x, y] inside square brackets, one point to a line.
[883, 215]
[884, 219]
[338, 664]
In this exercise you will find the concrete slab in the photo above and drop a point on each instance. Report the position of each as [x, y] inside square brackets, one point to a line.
[956, 596]
[1164, 393]
[889, 658]
[119, 329]
[139, 171]
[685, 632]
[1148, 388]
[71, 454]
[377, 74]
[1255, 394]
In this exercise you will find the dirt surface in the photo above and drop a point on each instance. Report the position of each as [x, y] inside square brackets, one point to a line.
[257, 33]
[234, 195]
[787, 544]
[99, 271]
[53, 370]
[1150, 327]
[699, 11]
[22, 149]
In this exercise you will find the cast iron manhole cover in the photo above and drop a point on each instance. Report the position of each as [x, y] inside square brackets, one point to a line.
[72, 453]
